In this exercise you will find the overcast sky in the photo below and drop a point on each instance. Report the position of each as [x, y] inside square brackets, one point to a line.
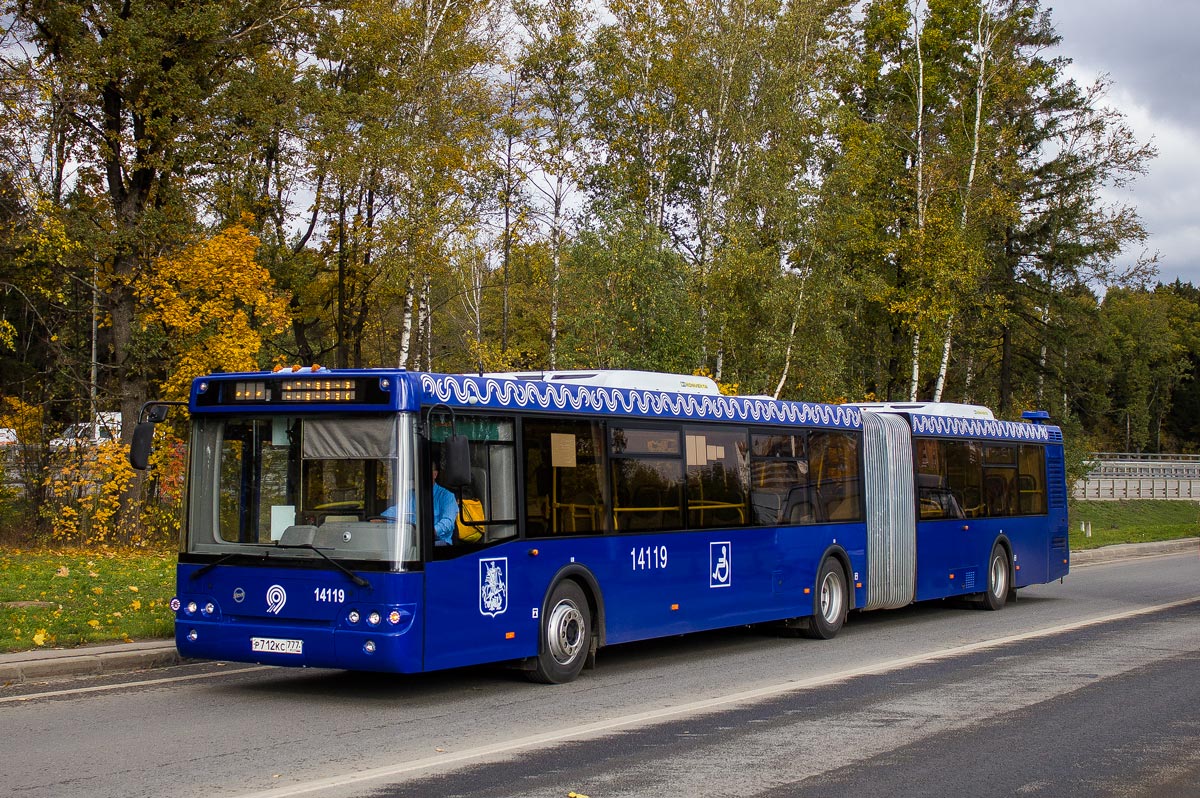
[1145, 46]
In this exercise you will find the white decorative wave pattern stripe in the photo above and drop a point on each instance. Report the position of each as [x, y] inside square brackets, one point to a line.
[979, 428]
[534, 395]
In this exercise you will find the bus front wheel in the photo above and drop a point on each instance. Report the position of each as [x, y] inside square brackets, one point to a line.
[997, 587]
[566, 635]
[830, 603]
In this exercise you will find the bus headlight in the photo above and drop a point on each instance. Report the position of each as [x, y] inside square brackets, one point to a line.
[374, 619]
[353, 617]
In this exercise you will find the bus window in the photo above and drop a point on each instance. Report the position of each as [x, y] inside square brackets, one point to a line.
[564, 478]
[1031, 480]
[716, 477]
[254, 477]
[487, 505]
[833, 475]
[935, 499]
[308, 475]
[779, 488]
[964, 460]
[647, 478]
[1000, 480]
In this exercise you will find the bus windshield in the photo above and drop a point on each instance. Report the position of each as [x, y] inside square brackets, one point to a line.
[287, 484]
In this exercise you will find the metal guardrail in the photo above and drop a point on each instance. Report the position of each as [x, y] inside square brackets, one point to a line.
[1124, 475]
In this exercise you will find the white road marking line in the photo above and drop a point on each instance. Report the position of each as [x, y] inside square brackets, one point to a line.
[102, 687]
[599, 728]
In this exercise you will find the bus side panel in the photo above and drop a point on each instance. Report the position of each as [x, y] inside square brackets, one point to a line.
[952, 556]
[718, 578]
[1030, 539]
[485, 606]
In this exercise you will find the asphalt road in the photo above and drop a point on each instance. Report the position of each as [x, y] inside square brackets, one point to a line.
[1091, 687]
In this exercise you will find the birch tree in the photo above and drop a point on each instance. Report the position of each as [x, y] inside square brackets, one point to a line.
[552, 67]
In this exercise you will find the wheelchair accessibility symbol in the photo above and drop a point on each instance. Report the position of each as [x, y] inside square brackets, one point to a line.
[720, 564]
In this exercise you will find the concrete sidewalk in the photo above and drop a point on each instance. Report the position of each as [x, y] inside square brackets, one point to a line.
[24, 666]
[1130, 551]
[56, 663]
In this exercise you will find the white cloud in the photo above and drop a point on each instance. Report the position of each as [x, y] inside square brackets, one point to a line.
[1146, 49]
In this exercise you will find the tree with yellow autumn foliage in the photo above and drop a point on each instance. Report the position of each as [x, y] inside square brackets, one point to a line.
[213, 302]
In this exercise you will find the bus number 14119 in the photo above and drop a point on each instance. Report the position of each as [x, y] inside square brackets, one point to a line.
[648, 558]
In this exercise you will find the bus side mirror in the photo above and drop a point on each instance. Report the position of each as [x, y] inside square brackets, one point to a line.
[456, 470]
[139, 450]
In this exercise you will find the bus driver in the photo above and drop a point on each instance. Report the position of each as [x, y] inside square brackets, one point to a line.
[445, 512]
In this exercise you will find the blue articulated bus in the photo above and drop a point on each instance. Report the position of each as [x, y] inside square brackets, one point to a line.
[388, 520]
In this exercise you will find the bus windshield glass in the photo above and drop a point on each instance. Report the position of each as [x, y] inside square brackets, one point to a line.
[286, 484]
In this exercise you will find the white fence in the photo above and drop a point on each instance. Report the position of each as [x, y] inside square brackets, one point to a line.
[1117, 476]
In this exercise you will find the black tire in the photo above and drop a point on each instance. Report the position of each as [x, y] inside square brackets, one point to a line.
[566, 636]
[830, 602]
[999, 579]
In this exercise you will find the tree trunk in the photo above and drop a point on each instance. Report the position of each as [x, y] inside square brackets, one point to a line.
[942, 369]
[1006, 386]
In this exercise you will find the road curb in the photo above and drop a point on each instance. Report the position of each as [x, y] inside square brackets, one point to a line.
[25, 666]
[1130, 551]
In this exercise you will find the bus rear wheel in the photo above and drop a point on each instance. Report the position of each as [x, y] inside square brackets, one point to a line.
[829, 604]
[997, 587]
[566, 636]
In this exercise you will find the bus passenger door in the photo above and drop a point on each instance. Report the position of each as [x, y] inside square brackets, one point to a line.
[477, 607]
[477, 586]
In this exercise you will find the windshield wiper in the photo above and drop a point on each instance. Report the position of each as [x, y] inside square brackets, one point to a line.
[224, 558]
[355, 578]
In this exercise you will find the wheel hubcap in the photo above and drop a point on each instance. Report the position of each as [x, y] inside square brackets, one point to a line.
[999, 577]
[831, 598]
[565, 632]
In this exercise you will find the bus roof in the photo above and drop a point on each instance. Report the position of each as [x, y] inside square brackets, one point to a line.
[954, 409]
[618, 378]
[617, 393]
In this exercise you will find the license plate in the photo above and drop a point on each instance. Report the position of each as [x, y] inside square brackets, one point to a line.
[276, 646]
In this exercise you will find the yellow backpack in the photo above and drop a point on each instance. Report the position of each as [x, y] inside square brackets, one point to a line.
[470, 510]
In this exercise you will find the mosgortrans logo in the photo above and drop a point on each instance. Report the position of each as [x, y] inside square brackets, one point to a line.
[276, 598]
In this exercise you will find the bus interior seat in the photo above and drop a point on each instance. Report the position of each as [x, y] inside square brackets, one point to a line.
[840, 508]
[1028, 495]
[652, 517]
[801, 513]
[578, 516]
[995, 488]
[799, 509]
[971, 501]
[766, 505]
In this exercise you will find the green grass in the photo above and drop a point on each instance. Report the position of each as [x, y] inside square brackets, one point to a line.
[66, 598]
[1139, 521]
